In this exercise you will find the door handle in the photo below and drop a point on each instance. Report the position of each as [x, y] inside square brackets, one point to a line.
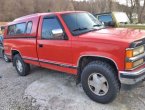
[40, 45]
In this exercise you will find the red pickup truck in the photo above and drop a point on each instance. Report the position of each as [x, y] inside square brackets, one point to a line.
[103, 59]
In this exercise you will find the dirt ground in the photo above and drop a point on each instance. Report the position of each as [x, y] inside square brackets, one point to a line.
[45, 89]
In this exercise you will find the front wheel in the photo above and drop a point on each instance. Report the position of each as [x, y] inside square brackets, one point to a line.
[99, 82]
[22, 68]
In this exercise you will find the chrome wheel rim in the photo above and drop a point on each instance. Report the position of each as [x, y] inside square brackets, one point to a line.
[98, 84]
[19, 66]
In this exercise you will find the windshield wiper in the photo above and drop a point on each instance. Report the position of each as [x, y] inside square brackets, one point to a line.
[97, 25]
[80, 29]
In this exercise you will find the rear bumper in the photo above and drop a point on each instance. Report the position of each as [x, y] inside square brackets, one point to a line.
[132, 77]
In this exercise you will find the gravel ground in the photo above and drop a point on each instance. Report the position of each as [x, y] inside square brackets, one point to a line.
[44, 89]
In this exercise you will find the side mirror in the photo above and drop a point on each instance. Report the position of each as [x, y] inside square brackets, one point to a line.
[57, 32]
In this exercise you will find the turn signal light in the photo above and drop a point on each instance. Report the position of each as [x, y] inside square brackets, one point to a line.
[129, 53]
[129, 65]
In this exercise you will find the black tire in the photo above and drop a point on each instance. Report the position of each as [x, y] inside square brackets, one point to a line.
[108, 72]
[6, 59]
[25, 67]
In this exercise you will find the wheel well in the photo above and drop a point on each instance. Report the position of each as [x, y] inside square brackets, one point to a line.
[87, 59]
[14, 52]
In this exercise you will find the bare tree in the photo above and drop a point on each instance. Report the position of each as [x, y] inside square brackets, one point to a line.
[136, 7]
[141, 20]
[11, 9]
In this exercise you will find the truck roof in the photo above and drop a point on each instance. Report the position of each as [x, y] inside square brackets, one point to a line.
[40, 14]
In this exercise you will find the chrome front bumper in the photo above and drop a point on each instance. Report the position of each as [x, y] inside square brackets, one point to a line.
[132, 77]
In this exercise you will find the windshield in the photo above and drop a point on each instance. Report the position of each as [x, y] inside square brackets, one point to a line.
[80, 23]
[121, 17]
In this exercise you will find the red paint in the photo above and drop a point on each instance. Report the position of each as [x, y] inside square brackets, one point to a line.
[107, 43]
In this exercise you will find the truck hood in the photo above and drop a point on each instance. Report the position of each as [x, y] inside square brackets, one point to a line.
[115, 34]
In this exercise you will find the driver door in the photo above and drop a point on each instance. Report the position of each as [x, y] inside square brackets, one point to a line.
[54, 51]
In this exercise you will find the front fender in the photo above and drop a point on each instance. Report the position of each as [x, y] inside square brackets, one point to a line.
[119, 62]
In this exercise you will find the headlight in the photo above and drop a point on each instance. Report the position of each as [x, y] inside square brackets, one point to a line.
[131, 65]
[134, 52]
[133, 59]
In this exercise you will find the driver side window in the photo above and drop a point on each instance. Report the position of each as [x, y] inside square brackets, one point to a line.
[50, 24]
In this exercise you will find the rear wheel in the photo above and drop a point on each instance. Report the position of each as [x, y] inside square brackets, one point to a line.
[99, 82]
[6, 58]
[22, 68]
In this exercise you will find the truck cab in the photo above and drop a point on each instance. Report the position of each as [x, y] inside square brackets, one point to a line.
[75, 42]
[118, 19]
